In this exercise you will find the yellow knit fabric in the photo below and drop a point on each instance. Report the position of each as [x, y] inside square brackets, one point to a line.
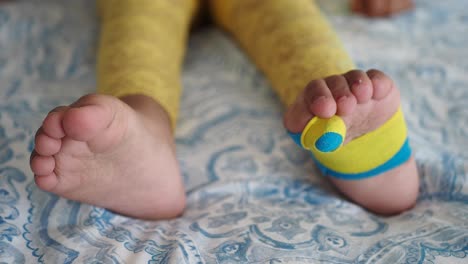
[289, 40]
[142, 44]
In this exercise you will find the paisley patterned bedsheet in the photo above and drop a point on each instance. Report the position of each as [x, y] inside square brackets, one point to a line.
[253, 196]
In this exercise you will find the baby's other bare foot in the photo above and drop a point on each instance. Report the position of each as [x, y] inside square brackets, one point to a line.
[365, 101]
[381, 8]
[112, 153]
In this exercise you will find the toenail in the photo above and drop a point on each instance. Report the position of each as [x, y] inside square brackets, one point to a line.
[357, 86]
[357, 82]
[342, 99]
[320, 98]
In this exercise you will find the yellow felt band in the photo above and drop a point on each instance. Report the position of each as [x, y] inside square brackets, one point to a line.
[366, 152]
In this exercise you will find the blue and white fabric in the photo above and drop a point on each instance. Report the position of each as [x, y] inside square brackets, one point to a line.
[253, 195]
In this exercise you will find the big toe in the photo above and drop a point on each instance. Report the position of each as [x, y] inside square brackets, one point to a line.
[88, 116]
[315, 100]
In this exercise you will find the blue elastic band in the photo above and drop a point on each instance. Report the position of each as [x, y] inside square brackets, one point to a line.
[296, 137]
[399, 158]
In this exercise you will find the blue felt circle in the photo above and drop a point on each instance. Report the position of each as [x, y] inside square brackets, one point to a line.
[329, 142]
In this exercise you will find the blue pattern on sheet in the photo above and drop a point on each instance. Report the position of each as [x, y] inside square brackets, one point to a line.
[253, 196]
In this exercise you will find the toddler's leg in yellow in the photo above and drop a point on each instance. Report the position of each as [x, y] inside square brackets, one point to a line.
[116, 149]
[290, 41]
[296, 48]
[141, 48]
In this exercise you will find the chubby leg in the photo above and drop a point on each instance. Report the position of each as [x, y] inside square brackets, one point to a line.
[295, 47]
[117, 150]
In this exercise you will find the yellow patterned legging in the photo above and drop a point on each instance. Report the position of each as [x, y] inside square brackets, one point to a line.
[142, 44]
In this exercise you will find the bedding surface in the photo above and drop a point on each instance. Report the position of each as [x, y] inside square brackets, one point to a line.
[253, 196]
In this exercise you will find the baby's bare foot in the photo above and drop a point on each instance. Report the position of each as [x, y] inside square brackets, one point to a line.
[381, 8]
[111, 154]
[365, 101]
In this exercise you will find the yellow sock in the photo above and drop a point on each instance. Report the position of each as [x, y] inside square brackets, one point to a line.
[289, 40]
[142, 44]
